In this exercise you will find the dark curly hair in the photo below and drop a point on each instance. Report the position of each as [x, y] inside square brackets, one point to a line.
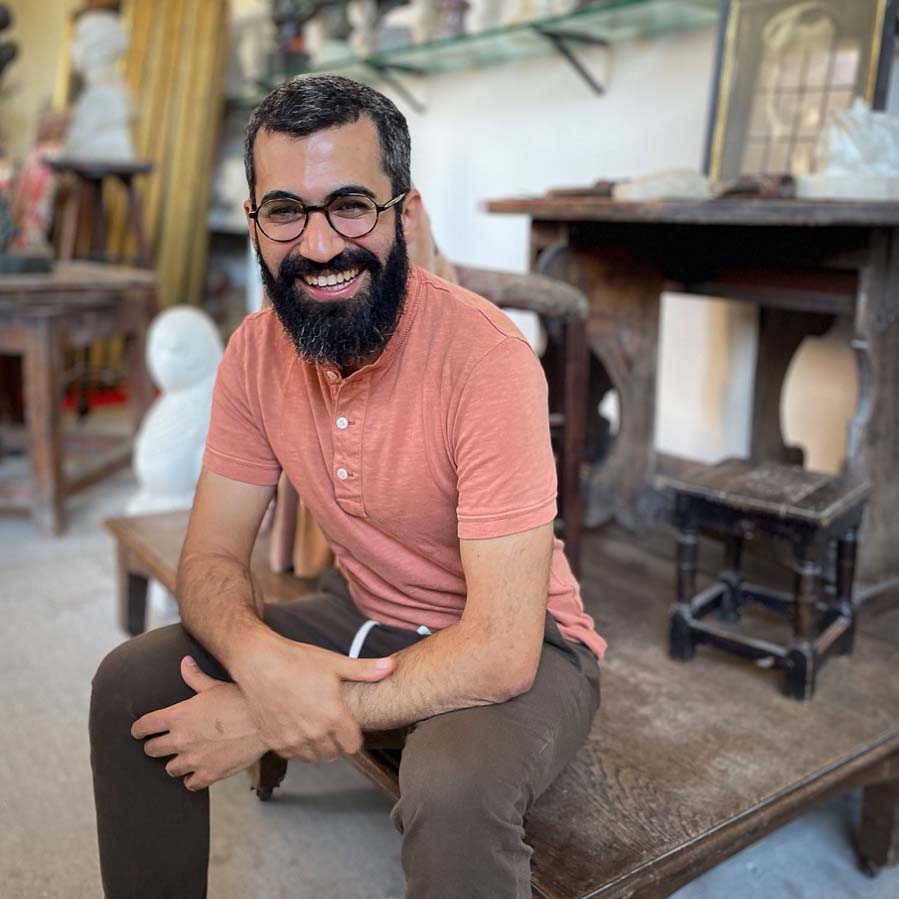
[303, 106]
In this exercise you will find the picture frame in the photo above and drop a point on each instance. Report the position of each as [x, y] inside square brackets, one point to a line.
[781, 67]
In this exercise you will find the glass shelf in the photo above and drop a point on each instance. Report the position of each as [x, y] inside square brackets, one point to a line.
[609, 22]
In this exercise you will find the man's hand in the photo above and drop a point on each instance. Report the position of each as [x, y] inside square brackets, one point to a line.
[294, 695]
[209, 736]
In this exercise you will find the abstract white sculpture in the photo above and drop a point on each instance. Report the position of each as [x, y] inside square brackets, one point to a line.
[101, 119]
[183, 353]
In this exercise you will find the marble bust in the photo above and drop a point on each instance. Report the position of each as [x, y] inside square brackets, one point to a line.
[101, 118]
[183, 353]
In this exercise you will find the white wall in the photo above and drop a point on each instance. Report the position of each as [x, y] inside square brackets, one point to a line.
[519, 128]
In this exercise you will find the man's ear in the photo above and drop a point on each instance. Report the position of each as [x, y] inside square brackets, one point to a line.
[246, 210]
[417, 229]
[414, 218]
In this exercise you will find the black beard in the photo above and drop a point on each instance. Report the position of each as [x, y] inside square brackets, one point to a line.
[340, 332]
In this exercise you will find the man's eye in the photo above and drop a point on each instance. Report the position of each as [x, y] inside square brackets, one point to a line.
[350, 207]
[283, 213]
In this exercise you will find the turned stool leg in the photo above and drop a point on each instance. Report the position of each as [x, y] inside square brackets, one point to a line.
[846, 551]
[731, 608]
[800, 674]
[682, 644]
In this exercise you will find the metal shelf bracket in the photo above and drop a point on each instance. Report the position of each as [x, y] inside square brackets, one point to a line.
[388, 71]
[561, 38]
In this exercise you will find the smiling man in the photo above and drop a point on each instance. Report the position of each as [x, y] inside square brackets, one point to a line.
[412, 418]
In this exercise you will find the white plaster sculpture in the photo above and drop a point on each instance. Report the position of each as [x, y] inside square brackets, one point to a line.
[363, 16]
[671, 184]
[857, 157]
[101, 119]
[183, 353]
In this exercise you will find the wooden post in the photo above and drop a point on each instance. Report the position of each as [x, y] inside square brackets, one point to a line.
[43, 414]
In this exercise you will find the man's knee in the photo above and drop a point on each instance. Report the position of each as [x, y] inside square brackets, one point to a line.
[452, 786]
[140, 675]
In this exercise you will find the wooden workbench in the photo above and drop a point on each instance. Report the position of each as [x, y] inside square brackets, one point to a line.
[803, 263]
[42, 316]
[686, 763]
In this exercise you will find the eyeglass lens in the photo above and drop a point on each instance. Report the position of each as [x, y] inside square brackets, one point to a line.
[351, 216]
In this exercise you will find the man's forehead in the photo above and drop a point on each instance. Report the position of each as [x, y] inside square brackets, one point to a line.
[320, 161]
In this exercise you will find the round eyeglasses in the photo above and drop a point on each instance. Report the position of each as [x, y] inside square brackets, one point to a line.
[283, 219]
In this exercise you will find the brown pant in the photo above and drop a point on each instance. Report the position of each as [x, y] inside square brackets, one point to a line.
[467, 778]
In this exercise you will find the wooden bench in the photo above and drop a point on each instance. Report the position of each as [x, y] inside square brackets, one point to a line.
[686, 764]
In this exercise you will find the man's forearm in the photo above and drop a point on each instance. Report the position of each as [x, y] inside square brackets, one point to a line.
[455, 668]
[219, 603]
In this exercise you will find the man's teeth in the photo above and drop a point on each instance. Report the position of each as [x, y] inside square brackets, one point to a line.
[331, 280]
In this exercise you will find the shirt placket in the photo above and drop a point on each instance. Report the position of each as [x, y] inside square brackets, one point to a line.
[346, 462]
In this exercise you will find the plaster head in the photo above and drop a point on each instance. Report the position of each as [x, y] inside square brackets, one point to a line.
[99, 41]
[183, 348]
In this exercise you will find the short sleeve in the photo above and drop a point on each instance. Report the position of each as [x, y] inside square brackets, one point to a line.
[503, 455]
[236, 445]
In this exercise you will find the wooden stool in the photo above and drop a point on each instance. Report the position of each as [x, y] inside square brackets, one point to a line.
[86, 198]
[83, 221]
[736, 500]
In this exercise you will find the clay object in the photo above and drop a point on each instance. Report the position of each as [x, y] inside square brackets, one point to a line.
[183, 353]
[101, 119]
[363, 17]
[450, 18]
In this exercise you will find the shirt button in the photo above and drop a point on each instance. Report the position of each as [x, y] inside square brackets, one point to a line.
[332, 375]
[342, 423]
[342, 473]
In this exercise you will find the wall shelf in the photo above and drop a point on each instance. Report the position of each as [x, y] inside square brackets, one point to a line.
[601, 24]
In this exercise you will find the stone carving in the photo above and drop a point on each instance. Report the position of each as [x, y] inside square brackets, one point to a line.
[101, 119]
[183, 353]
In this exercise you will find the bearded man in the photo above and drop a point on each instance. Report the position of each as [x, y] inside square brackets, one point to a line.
[411, 416]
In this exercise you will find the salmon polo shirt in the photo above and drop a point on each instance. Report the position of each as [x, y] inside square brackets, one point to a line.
[444, 437]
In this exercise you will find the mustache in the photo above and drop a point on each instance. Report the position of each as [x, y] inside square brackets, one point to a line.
[296, 266]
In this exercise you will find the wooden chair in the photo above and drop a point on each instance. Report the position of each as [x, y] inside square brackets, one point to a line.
[562, 310]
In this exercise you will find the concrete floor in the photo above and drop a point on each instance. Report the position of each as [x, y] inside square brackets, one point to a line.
[327, 833]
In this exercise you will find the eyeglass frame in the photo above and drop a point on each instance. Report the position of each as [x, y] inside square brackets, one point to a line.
[379, 208]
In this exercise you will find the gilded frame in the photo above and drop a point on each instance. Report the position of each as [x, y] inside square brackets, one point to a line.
[728, 125]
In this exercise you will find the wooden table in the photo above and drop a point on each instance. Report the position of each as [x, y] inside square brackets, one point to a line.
[803, 263]
[42, 315]
[685, 764]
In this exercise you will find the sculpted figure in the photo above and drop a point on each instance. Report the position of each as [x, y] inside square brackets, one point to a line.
[183, 353]
[102, 115]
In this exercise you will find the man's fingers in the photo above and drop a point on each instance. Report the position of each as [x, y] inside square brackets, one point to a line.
[177, 767]
[328, 749]
[365, 669]
[151, 723]
[195, 678]
[159, 747]
[348, 736]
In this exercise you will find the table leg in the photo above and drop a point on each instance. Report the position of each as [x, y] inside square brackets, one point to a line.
[622, 332]
[133, 584]
[140, 387]
[878, 838]
[873, 444]
[43, 415]
[781, 333]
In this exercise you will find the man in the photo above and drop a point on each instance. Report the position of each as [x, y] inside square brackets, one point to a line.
[411, 416]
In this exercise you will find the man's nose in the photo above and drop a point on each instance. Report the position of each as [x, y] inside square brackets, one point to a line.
[320, 242]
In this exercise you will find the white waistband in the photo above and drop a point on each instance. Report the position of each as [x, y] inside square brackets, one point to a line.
[362, 633]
